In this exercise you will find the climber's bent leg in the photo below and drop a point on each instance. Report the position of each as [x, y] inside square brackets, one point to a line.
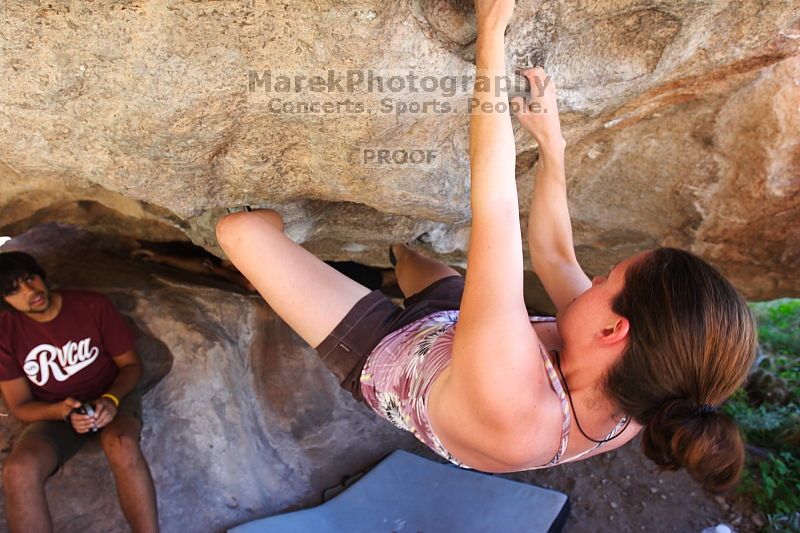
[310, 296]
[342, 319]
[415, 271]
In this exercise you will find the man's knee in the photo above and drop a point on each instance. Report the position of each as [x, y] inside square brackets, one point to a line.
[28, 466]
[121, 448]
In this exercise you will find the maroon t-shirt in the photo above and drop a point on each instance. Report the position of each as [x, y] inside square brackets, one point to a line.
[70, 356]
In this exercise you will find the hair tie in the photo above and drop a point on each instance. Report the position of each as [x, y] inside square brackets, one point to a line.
[706, 409]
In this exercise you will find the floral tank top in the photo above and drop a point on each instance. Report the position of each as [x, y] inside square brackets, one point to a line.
[399, 374]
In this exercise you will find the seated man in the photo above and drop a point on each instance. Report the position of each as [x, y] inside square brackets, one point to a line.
[60, 350]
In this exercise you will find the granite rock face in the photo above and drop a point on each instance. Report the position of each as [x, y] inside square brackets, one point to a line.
[241, 418]
[147, 119]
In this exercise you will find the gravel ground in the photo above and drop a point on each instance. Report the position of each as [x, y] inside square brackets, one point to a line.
[623, 491]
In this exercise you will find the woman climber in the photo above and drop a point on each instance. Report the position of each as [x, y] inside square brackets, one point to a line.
[656, 345]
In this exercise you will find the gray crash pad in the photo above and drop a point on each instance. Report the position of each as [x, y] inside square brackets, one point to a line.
[405, 493]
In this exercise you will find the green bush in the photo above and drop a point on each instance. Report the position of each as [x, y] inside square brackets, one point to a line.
[774, 480]
[778, 321]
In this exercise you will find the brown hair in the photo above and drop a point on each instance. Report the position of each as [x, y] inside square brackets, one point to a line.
[691, 343]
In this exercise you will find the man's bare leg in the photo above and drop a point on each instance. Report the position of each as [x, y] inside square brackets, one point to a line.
[24, 474]
[137, 495]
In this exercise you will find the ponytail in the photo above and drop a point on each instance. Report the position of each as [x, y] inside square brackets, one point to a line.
[706, 443]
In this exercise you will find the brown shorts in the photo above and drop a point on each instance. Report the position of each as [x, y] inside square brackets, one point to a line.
[66, 442]
[373, 317]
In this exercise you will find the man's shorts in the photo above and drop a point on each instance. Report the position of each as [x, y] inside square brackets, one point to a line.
[372, 318]
[65, 440]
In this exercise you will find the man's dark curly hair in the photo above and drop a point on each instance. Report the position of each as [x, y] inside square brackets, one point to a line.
[15, 266]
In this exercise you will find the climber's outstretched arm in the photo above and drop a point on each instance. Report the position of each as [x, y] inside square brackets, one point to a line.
[494, 341]
[549, 227]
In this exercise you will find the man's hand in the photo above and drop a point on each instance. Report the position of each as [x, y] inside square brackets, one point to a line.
[80, 423]
[67, 406]
[540, 115]
[104, 412]
[493, 15]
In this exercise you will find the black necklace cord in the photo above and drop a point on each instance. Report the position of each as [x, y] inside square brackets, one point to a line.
[575, 415]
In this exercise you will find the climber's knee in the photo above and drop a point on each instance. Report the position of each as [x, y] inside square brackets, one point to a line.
[231, 227]
[273, 217]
